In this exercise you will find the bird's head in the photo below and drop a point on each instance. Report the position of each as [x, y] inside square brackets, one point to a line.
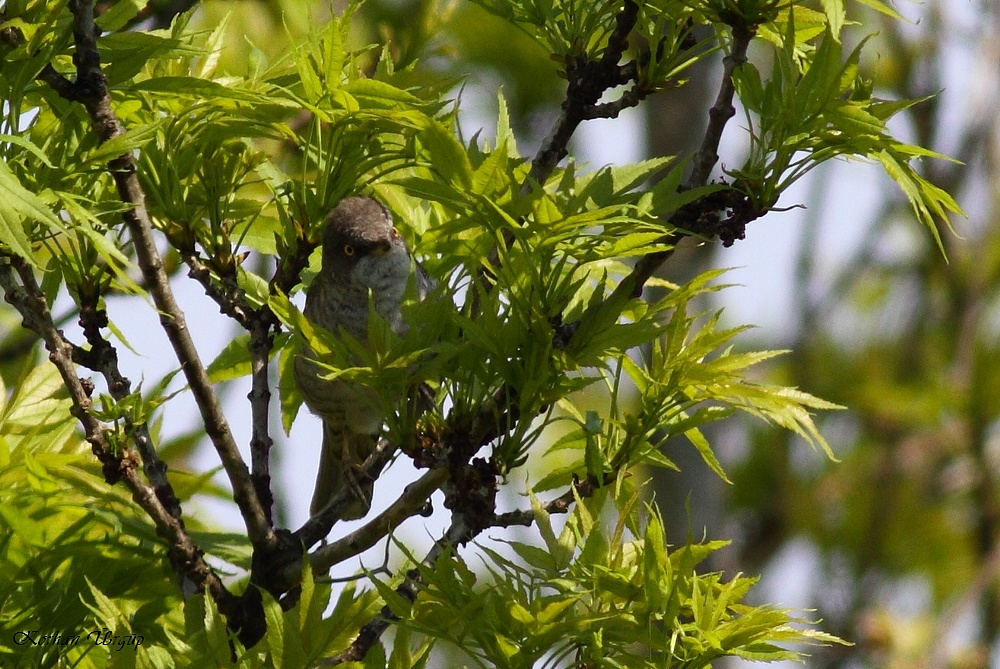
[362, 246]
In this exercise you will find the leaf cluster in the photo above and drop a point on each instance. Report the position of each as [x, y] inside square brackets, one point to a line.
[595, 596]
[816, 105]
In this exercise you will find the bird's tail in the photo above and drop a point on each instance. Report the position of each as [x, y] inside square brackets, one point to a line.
[339, 462]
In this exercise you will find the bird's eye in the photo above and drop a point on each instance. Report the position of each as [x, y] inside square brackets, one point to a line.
[348, 250]
[395, 232]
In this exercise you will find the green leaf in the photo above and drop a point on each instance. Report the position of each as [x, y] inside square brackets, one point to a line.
[836, 14]
[398, 604]
[232, 362]
[654, 563]
[20, 203]
[275, 619]
[117, 15]
[447, 155]
[128, 141]
[695, 436]
[17, 140]
[880, 6]
[376, 94]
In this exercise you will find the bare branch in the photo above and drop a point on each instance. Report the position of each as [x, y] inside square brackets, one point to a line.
[408, 504]
[561, 504]
[722, 110]
[261, 342]
[224, 291]
[587, 82]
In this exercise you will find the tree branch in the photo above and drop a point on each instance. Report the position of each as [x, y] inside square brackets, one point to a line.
[261, 324]
[723, 109]
[261, 342]
[709, 207]
[587, 82]
[93, 93]
[561, 504]
[319, 525]
[103, 359]
[408, 504]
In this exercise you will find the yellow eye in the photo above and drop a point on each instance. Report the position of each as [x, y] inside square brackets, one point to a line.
[348, 250]
[395, 232]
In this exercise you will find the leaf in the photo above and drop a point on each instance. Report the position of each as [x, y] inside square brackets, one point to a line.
[880, 6]
[930, 203]
[117, 15]
[505, 135]
[695, 436]
[291, 398]
[232, 362]
[105, 610]
[398, 604]
[654, 563]
[275, 619]
[128, 141]
[544, 524]
[17, 140]
[204, 89]
[836, 14]
[380, 95]
[447, 155]
[20, 203]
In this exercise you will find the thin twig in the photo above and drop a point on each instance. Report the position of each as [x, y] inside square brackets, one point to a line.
[102, 358]
[230, 297]
[458, 534]
[561, 504]
[320, 524]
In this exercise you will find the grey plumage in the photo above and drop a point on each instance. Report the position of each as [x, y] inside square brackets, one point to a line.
[363, 255]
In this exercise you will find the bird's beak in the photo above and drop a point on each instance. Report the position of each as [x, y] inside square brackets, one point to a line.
[381, 248]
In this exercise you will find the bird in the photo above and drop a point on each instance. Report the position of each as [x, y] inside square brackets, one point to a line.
[366, 267]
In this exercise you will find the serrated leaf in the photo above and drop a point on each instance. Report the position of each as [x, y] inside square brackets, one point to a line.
[275, 619]
[447, 155]
[836, 14]
[29, 146]
[380, 95]
[699, 441]
[505, 135]
[102, 607]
